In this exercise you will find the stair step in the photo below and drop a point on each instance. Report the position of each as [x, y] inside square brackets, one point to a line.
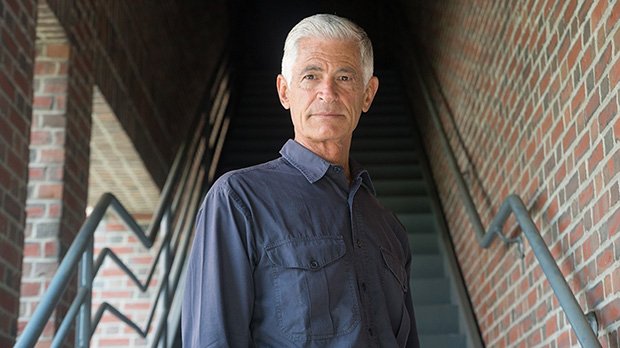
[246, 133]
[443, 341]
[400, 187]
[266, 108]
[394, 171]
[385, 144]
[368, 158]
[383, 117]
[418, 204]
[261, 118]
[418, 223]
[426, 266]
[384, 130]
[430, 291]
[423, 244]
[255, 145]
[437, 319]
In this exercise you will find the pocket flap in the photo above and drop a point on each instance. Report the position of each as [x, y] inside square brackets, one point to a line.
[396, 267]
[308, 253]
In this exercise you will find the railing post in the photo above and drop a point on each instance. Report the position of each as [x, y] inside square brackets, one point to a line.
[166, 260]
[85, 280]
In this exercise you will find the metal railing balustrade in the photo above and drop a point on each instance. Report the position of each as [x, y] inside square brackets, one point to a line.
[172, 223]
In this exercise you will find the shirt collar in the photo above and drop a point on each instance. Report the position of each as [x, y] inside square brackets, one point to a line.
[313, 167]
[358, 171]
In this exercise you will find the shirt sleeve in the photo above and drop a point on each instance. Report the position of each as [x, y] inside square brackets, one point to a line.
[219, 293]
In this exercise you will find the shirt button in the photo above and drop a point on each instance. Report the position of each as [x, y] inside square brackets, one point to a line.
[337, 169]
[359, 243]
[314, 264]
[364, 286]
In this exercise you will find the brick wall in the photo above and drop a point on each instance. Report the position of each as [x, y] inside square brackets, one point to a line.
[17, 25]
[46, 169]
[533, 89]
[153, 72]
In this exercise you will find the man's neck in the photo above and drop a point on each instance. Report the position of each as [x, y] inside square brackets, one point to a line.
[331, 151]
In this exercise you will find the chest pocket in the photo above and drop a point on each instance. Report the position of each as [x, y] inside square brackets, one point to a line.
[314, 288]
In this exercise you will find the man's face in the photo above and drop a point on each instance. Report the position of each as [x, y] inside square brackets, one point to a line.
[326, 94]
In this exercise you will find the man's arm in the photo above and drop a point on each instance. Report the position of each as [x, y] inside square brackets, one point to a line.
[219, 292]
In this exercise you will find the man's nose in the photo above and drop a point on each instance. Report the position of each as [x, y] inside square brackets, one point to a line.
[328, 91]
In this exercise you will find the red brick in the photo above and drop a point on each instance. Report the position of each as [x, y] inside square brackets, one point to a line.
[35, 210]
[8, 301]
[610, 313]
[569, 138]
[6, 86]
[595, 157]
[582, 146]
[608, 114]
[51, 249]
[604, 260]
[52, 156]
[43, 103]
[57, 51]
[32, 250]
[116, 294]
[35, 174]
[30, 289]
[40, 137]
[592, 105]
[578, 99]
[597, 14]
[54, 210]
[114, 342]
[551, 326]
[44, 68]
[614, 15]
[52, 191]
[613, 223]
[22, 83]
[54, 85]
[564, 339]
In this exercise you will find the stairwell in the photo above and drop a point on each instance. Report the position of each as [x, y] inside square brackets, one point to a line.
[384, 144]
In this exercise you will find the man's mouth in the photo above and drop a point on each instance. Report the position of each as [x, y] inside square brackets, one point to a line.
[326, 114]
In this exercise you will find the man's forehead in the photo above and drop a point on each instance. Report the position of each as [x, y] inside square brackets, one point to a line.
[327, 41]
[315, 53]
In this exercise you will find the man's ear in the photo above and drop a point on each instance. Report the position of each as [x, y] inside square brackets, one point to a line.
[283, 91]
[370, 92]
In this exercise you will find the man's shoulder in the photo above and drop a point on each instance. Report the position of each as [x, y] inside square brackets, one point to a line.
[253, 175]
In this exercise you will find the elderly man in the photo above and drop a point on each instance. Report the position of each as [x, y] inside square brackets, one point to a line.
[298, 252]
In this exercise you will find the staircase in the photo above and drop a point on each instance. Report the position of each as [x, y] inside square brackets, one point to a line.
[383, 143]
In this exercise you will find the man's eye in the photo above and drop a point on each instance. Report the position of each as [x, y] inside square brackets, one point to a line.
[309, 77]
[345, 78]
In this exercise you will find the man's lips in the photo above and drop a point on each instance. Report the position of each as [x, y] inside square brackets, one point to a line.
[326, 114]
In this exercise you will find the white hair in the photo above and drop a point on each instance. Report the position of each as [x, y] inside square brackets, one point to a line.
[327, 26]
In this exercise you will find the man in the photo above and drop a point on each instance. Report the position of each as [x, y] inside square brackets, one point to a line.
[297, 252]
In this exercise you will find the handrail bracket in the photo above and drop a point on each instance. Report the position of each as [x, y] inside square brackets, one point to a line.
[517, 239]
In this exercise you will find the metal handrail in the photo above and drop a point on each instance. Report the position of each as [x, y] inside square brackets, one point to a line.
[180, 197]
[584, 325]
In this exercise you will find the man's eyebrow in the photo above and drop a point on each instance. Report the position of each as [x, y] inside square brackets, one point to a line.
[346, 70]
[312, 68]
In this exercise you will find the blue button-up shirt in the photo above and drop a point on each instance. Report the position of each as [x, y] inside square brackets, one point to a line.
[287, 254]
